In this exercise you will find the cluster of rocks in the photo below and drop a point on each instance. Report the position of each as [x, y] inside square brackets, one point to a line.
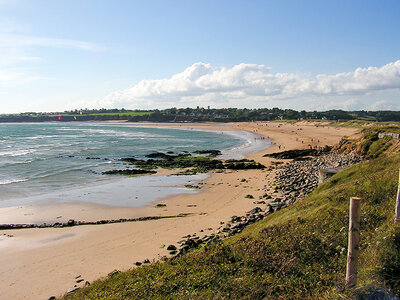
[235, 225]
[296, 179]
[293, 181]
[72, 222]
[79, 284]
[193, 241]
[186, 160]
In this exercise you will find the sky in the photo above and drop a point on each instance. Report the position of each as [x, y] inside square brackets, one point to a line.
[312, 55]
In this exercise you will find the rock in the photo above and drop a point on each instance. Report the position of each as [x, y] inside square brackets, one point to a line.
[80, 280]
[73, 289]
[138, 263]
[128, 172]
[146, 261]
[71, 222]
[269, 209]
[259, 202]
[209, 152]
[255, 210]
[235, 219]
[237, 225]
[113, 273]
[171, 247]
[52, 298]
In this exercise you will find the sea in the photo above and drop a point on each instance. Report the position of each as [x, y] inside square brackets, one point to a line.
[63, 162]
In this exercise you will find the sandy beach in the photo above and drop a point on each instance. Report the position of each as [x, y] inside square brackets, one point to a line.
[43, 262]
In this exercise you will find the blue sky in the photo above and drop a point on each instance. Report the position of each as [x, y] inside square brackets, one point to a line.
[57, 55]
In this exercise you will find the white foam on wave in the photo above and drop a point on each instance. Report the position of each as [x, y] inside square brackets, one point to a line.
[17, 152]
[111, 132]
[253, 143]
[10, 181]
[39, 137]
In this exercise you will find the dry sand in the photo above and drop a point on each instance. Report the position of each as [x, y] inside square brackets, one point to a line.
[39, 263]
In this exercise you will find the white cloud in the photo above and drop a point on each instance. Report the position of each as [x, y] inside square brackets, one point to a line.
[15, 47]
[16, 40]
[253, 85]
[385, 105]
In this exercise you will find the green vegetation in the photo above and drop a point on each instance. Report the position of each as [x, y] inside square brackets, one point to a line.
[201, 114]
[191, 186]
[76, 116]
[296, 253]
[372, 146]
[130, 114]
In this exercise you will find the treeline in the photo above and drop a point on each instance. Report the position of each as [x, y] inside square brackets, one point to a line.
[200, 114]
[262, 114]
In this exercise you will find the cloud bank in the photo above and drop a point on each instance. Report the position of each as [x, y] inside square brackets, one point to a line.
[252, 85]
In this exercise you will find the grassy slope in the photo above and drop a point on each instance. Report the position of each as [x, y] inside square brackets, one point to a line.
[296, 253]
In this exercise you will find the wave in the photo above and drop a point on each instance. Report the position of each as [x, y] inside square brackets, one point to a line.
[39, 137]
[111, 132]
[17, 152]
[17, 163]
[10, 181]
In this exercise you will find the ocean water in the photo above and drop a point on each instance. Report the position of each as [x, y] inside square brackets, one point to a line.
[44, 159]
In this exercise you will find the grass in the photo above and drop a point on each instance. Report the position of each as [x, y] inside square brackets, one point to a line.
[371, 145]
[296, 253]
[367, 123]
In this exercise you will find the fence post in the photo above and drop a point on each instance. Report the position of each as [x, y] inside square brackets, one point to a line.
[397, 214]
[354, 241]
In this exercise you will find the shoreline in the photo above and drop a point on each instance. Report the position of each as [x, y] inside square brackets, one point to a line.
[93, 202]
[94, 251]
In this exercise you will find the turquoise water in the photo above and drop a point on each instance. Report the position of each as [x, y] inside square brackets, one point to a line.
[42, 158]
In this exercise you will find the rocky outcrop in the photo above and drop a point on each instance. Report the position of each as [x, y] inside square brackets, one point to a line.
[129, 172]
[72, 222]
[296, 154]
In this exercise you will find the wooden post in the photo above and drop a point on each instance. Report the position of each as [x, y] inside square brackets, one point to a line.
[397, 214]
[354, 241]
